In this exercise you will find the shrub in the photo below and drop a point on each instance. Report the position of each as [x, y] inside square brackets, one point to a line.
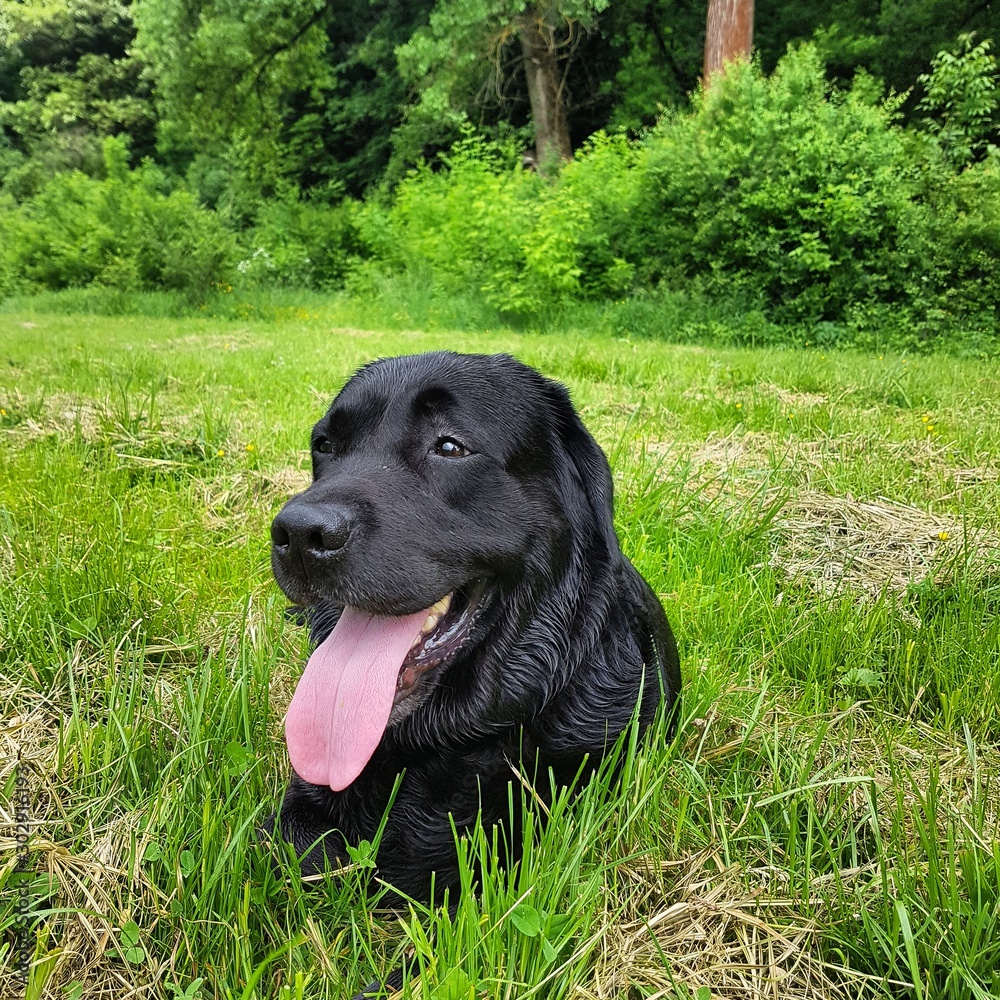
[775, 191]
[469, 223]
[961, 94]
[789, 200]
[304, 244]
[955, 281]
[601, 186]
[782, 188]
[123, 231]
[793, 210]
[527, 245]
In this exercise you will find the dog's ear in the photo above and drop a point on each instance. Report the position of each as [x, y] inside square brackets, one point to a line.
[589, 466]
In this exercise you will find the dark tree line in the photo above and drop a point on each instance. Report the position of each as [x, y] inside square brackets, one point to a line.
[246, 98]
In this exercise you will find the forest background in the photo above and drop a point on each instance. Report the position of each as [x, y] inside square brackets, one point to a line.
[844, 188]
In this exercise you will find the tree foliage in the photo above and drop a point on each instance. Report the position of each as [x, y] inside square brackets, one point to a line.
[470, 49]
[224, 75]
[244, 99]
[67, 80]
[961, 95]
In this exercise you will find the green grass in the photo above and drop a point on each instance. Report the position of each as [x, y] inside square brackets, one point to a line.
[822, 528]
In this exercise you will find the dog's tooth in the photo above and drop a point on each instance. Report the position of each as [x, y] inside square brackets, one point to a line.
[434, 613]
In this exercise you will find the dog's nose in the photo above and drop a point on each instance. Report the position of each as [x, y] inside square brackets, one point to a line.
[316, 529]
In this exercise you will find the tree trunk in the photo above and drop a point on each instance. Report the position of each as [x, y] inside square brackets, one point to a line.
[545, 89]
[728, 34]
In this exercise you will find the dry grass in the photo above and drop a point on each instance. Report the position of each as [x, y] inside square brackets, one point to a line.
[97, 885]
[29, 739]
[238, 338]
[54, 413]
[737, 930]
[833, 542]
[102, 890]
[787, 397]
[742, 453]
[851, 756]
[230, 497]
[737, 943]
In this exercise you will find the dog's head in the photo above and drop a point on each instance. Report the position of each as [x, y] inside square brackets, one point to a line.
[452, 495]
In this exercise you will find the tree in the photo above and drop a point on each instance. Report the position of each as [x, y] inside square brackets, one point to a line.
[340, 135]
[67, 81]
[277, 93]
[466, 51]
[540, 44]
[656, 54]
[894, 40]
[728, 34]
[224, 74]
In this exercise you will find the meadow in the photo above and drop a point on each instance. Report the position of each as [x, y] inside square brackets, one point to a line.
[822, 528]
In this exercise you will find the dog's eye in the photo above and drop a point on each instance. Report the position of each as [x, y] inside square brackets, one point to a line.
[450, 448]
[323, 445]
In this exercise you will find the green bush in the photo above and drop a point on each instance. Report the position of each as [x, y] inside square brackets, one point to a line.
[777, 207]
[485, 224]
[601, 187]
[772, 189]
[955, 282]
[302, 244]
[123, 231]
[790, 200]
[778, 187]
[961, 94]
[468, 224]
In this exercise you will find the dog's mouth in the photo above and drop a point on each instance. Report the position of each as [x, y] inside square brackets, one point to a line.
[442, 635]
[367, 665]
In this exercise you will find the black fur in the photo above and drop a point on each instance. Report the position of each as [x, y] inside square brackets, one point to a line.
[567, 632]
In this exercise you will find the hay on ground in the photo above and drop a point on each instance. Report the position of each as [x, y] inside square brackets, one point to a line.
[709, 930]
[831, 542]
[868, 545]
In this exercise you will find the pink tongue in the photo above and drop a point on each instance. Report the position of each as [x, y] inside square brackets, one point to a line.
[342, 704]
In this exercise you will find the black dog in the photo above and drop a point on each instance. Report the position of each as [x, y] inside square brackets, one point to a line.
[457, 559]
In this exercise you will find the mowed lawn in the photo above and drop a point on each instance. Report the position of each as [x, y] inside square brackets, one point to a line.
[824, 530]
